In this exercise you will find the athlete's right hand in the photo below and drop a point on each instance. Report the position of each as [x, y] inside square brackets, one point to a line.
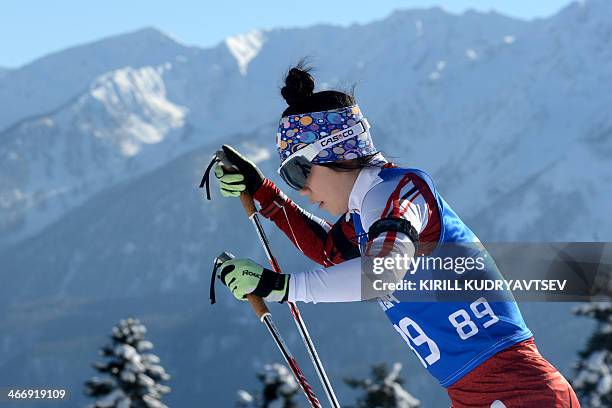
[247, 176]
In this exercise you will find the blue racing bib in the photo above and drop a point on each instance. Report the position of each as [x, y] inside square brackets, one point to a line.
[451, 338]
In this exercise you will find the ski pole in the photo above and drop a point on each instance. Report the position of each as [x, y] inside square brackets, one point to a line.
[251, 211]
[264, 315]
[297, 317]
[252, 214]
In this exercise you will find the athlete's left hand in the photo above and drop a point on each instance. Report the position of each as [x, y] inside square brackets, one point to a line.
[244, 277]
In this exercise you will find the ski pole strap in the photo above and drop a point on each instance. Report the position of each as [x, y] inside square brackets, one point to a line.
[224, 256]
[212, 284]
[216, 264]
[206, 177]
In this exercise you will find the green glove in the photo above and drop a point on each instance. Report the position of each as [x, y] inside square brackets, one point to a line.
[244, 276]
[247, 176]
[230, 184]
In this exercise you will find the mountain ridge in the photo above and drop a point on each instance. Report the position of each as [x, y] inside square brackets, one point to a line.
[509, 117]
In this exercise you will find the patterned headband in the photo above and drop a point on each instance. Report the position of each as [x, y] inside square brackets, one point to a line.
[298, 131]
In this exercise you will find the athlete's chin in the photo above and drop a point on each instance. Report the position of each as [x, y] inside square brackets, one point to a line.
[333, 211]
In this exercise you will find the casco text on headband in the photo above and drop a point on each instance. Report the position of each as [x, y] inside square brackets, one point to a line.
[295, 169]
[310, 151]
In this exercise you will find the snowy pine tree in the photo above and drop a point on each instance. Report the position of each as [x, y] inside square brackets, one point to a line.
[133, 377]
[384, 390]
[279, 389]
[593, 378]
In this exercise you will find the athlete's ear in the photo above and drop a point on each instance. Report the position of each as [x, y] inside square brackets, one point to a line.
[305, 191]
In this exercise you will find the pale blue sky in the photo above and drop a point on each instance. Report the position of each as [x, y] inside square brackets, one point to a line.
[32, 28]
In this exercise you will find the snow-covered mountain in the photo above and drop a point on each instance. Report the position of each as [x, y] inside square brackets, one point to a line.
[493, 90]
[46, 83]
[114, 130]
[98, 199]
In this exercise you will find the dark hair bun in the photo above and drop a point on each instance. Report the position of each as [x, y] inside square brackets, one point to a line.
[299, 85]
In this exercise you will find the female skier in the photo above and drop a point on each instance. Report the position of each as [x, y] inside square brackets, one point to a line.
[480, 350]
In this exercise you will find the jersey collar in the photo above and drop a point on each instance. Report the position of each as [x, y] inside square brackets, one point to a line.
[366, 179]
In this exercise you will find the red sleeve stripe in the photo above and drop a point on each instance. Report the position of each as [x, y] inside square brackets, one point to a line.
[392, 204]
[401, 206]
[430, 233]
[395, 194]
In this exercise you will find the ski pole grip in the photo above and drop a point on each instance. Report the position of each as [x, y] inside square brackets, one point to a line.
[258, 305]
[247, 203]
[245, 198]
